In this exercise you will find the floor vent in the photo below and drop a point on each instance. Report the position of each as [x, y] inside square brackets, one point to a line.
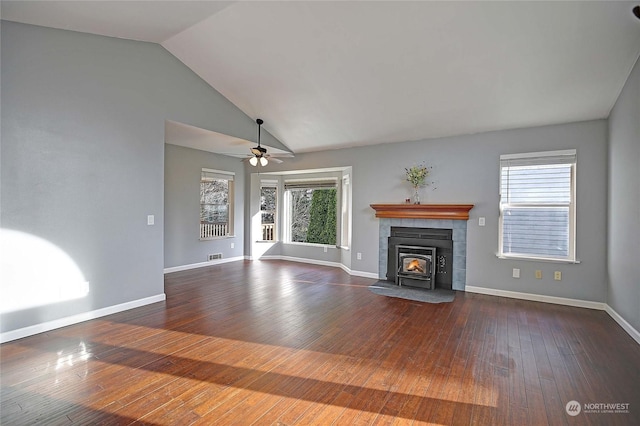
[214, 256]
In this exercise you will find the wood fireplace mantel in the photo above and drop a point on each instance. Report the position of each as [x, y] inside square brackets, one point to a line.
[423, 211]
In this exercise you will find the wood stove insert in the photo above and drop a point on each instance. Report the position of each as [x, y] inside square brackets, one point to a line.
[415, 266]
[440, 240]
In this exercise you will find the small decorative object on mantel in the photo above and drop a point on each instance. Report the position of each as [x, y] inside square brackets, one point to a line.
[417, 177]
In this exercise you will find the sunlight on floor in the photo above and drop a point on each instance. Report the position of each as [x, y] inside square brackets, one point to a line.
[276, 360]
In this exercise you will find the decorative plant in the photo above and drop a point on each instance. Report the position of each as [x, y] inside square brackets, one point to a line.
[417, 177]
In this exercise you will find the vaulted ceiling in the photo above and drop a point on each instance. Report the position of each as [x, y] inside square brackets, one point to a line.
[349, 73]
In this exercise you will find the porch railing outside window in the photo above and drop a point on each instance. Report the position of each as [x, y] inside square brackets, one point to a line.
[268, 231]
[212, 230]
[216, 204]
[268, 209]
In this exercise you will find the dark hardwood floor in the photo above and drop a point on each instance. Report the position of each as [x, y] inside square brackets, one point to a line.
[285, 343]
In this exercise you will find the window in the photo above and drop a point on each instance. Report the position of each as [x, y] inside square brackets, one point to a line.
[311, 211]
[216, 204]
[537, 205]
[268, 209]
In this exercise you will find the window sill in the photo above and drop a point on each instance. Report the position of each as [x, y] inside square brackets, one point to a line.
[311, 245]
[217, 238]
[267, 241]
[537, 259]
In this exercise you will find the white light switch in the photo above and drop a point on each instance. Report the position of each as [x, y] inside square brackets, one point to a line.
[150, 219]
[481, 221]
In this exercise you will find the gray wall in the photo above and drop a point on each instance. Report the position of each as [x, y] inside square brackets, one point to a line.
[82, 167]
[624, 202]
[465, 170]
[83, 154]
[182, 206]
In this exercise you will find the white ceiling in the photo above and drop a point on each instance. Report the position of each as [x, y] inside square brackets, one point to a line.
[348, 73]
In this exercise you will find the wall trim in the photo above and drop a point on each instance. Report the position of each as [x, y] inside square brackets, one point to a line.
[635, 334]
[302, 260]
[537, 297]
[75, 319]
[202, 264]
[360, 273]
[321, 263]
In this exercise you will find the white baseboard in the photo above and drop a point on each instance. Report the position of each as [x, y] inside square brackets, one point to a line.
[536, 297]
[359, 273]
[301, 260]
[561, 301]
[202, 264]
[635, 334]
[321, 263]
[75, 319]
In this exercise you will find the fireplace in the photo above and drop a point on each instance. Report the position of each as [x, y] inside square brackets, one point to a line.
[429, 247]
[415, 266]
[451, 261]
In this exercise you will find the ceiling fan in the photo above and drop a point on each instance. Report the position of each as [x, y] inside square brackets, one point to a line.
[259, 153]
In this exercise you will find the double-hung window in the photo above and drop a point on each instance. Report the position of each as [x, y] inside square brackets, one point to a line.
[268, 209]
[537, 205]
[311, 211]
[216, 204]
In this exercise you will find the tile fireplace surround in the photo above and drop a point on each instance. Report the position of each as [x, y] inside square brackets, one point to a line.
[439, 216]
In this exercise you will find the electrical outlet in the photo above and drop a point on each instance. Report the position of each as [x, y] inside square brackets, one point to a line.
[325, 249]
[359, 256]
[151, 219]
[233, 245]
[538, 274]
[516, 273]
[557, 275]
[481, 221]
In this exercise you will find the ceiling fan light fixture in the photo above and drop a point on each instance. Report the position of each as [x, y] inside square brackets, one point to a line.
[253, 161]
[263, 161]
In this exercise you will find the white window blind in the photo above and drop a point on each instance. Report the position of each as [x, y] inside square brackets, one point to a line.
[537, 205]
[311, 184]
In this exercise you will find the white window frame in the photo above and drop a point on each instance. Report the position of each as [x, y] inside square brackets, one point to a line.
[331, 182]
[567, 157]
[212, 234]
[345, 212]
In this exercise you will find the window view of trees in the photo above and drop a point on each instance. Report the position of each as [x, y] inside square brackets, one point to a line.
[214, 201]
[216, 193]
[268, 205]
[313, 216]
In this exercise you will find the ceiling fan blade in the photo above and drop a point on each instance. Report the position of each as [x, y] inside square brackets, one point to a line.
[258, 151]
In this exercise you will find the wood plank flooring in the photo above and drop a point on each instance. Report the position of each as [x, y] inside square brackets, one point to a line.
[283, 343]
